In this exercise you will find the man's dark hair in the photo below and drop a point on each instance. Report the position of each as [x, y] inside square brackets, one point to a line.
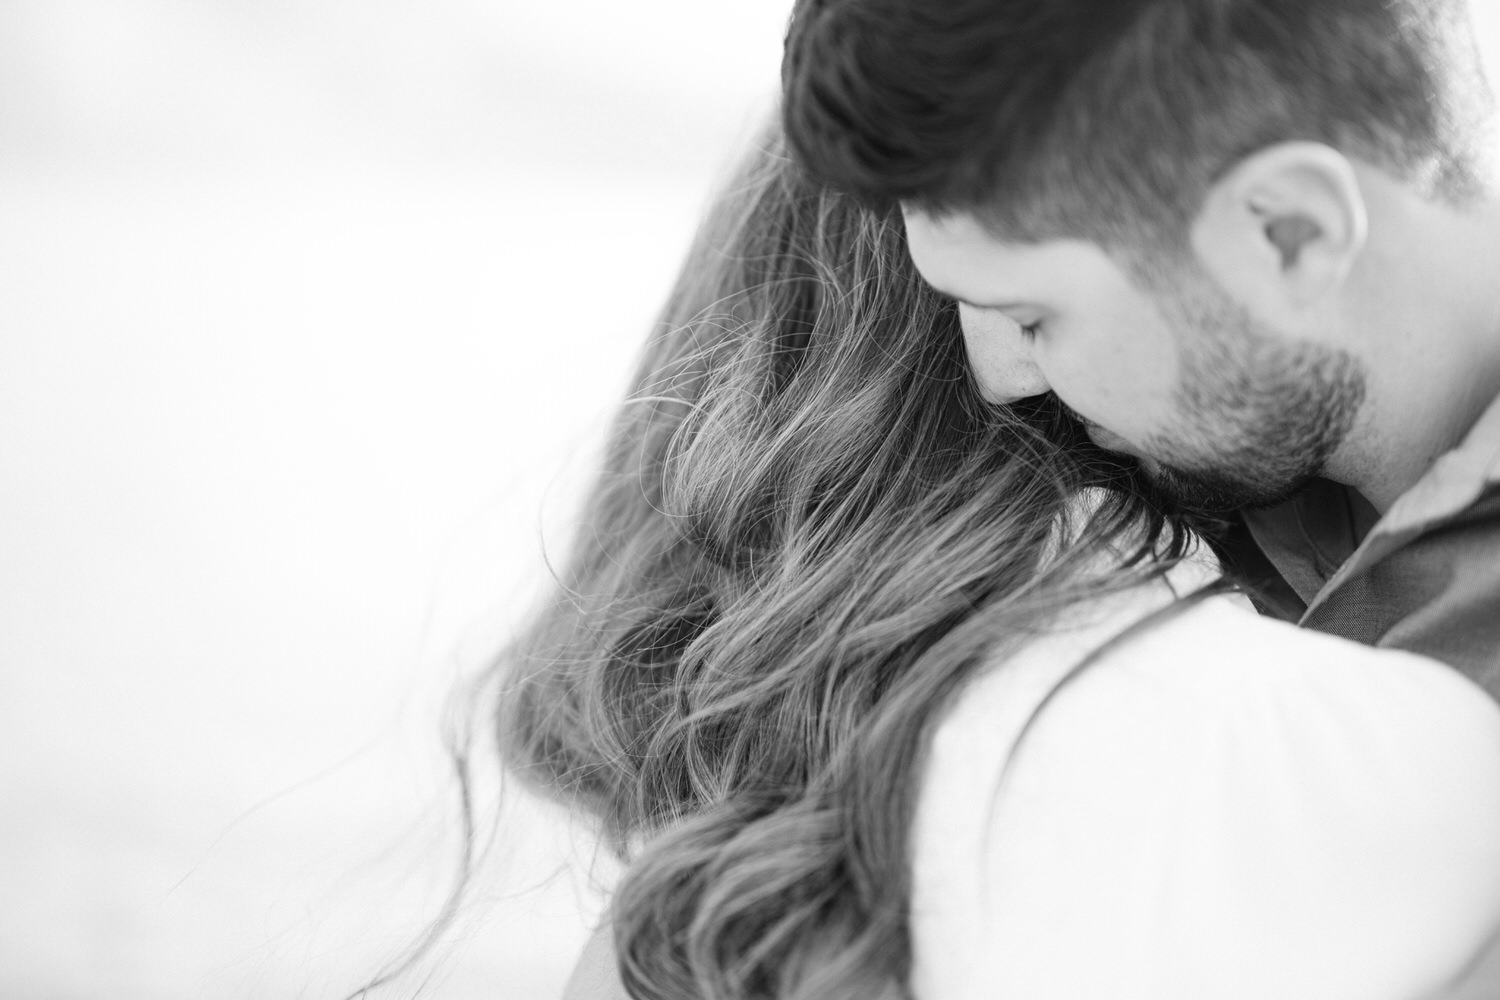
[1110, 119]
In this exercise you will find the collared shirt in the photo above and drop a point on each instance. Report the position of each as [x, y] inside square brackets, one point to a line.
[1425, 577]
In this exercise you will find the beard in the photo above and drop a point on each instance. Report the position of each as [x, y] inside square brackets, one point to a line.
[1261, 413]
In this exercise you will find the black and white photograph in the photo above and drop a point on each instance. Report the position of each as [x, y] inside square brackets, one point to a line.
[750, 500]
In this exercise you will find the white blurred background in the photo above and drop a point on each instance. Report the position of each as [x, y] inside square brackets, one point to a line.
[309, 313]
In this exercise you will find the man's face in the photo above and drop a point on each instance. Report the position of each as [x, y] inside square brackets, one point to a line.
[1221, 410]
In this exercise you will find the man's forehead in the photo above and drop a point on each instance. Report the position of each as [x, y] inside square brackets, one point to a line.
[960, 256]
[954, 225]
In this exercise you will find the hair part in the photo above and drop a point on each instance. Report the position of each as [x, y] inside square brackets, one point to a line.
[1109, 120]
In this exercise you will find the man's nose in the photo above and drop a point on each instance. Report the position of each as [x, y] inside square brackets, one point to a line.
[1000, 356]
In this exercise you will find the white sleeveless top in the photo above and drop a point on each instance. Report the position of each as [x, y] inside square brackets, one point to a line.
[1222, 807]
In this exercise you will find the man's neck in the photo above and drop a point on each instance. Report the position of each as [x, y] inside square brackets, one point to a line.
[1438, 369]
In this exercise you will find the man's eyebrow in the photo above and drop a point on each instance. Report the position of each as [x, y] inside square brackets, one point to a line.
[992, 306]
[986, 307]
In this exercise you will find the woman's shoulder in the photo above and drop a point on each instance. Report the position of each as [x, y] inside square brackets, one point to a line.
[1250, 709]
[1132, 662]
[1220, 661]
[1211, 790]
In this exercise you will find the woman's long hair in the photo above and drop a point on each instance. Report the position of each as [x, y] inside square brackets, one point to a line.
[809, 531]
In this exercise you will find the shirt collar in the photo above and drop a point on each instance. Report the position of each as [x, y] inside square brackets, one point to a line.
[1453, 484]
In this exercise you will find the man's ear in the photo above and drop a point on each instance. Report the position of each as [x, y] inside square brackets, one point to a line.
[1284, 226]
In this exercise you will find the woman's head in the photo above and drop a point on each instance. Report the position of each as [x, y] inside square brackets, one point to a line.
[808, 529]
